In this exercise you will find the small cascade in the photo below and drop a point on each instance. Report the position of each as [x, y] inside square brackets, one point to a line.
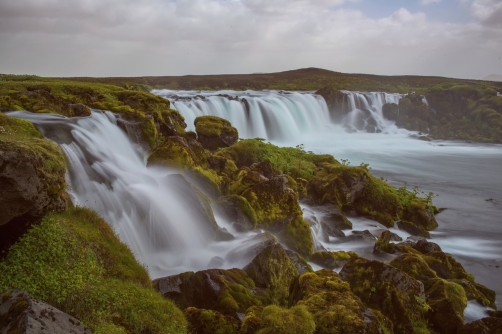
[365, 111]
[275, 116]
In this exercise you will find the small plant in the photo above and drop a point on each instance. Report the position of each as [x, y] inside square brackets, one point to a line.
[345, 162]
[372, 289]
[423, 304]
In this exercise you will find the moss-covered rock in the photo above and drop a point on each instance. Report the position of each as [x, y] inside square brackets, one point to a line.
[243, 179]
[273, 270]
[336, 101]
[214, 132]
[239, 212]
[210, 322]
[272, 201]
[446, 302]
[174, 152]
[331, 260]
[32, 174]
[415, 266]
[387, 289]
[420, 214]
[489, 325]
[334, 307]
[446, 266]
[276, 320]
[299, 262]
[296, 234]
[384, 245]
[333, 219]
[230, 292]
[390, 111]
[477, 292]
[251, 247]
[413, 229]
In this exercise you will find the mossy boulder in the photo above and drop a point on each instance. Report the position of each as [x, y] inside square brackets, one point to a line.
[243, 179]
[336, 309]
[384, 245]
[239, 212]
[413, 229]
[276, 320]
[272, 201]
[477, 292]
[446, 266]
[32, 173]
[390, 111]
[446, 302]
[214, 132]
[21, 313]
[299, 262]
[295, 233]
[387, 289]
[333, 219]
[230, 292]
[419, 213]
[264, 168]
[251, 247]
[174, 152]
[331, 260]
[415, 266]
[202, 321]
[425, 246]
[273, 270]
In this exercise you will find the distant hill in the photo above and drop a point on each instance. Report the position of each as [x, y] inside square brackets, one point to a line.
[493, 77]
[303, 79]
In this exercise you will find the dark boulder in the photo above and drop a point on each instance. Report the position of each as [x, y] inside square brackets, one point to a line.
[264, 168]
[336, 101]
[412, 229]
[202, 321]
[238, 211]
[489, 325]
[425, 247]
[23, 314]
[390, 111]
[331, 216]
[79, 110]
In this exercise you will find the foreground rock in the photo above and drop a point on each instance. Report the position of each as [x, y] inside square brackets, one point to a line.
[23, 314]
[385, 288]
[336, 309]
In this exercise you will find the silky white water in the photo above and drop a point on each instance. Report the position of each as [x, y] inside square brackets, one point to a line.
[108, 173]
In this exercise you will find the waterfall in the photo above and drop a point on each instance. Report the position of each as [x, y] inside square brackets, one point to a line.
[275, 116]
[282, 116]
[107, 172]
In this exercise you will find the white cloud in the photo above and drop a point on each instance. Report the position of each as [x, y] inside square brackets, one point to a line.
[428, 2]
[176, 37]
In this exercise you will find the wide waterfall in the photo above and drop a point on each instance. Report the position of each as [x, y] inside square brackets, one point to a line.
[284, 116]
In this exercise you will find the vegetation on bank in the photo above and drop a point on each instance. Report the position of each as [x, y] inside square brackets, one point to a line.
[75, 262]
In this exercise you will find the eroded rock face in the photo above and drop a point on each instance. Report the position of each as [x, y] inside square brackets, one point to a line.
[215, 132]
[336, 102]
[21, 313]
[387, 289]
[24, 184]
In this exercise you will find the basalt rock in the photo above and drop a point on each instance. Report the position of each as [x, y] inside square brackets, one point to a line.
[243, 179]
[331, 260]
[239, 212]
[215, 132]
[415, 266]
[412, 229]
[387, 289]
[23, 314]
[489, 325]
[336, 102]
[333, 218]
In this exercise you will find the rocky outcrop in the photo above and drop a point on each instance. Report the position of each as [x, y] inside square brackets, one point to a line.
[21, 313]
[32, 179]
[202, 321]
[215, 132]
[336, 102]
[238, 211]
[489, 325]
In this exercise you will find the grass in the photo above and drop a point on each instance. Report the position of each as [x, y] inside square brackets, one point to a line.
[74, 261]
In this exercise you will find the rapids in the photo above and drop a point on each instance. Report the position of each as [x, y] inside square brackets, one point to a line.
[108, 173]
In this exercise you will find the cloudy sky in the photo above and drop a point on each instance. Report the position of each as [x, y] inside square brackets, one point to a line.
[454, 38]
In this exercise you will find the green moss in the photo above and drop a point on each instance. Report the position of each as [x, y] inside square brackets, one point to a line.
[213, 126]
[297, 236]
[287, 160]
[415, 266]
[210, 322]
[173, 152]
[282, 321]
[74, 261]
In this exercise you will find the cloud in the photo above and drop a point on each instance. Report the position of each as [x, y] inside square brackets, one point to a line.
[177, 37]
[487, 11]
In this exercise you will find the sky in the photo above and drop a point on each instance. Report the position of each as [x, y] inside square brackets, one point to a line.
[99, 38]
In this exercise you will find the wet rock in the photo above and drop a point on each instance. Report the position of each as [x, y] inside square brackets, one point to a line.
[425, 247]
[419, 213]
[489, 325]
[390, 111]
[264, 168]
[446, 303]
[445, 266]
[238, 211]
[299, 262]
[229, 292]
[383, 244]
[336, 102]
[32, 179]
[202, 321]
[215, 262]
[21, 313]
[244, 179]
[295, 233]
[365, 234]
[477, 292]
[412, 229]
[333, 218]
[273, 270]
[331, 231]
[387, 289]
[336, 309]
[251, 247]
[215, 132]
[331, 260]
[222, 234]
[174, 152]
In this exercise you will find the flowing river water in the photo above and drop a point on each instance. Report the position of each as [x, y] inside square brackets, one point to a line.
[108, 173]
